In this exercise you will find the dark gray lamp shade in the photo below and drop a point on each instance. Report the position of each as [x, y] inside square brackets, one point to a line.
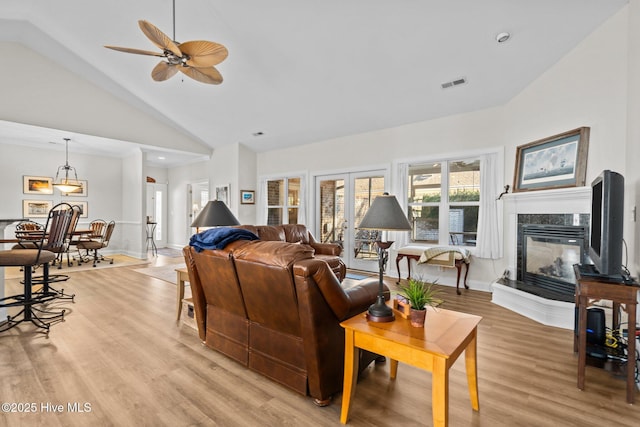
[385, 214]
[215, 213]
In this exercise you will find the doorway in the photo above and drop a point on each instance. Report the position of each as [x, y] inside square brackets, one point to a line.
[157, 211]
[342, 200]
[196, 201]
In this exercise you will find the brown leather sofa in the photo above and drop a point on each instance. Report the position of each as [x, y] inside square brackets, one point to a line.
[297, 233]
[276, 308]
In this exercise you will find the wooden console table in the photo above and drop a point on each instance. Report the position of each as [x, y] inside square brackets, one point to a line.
[591, 289]
[415, 252]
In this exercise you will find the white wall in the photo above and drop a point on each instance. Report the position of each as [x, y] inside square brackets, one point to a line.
[133, 194]
[586, 88]
[632, 177]
[247, 180]
[233, 165]
[42, 93]
[104, 176]
[179, 178]
[161, 175]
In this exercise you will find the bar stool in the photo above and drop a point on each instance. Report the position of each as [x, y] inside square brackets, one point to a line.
[57, 224]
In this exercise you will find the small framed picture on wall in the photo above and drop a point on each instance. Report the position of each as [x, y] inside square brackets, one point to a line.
[37, 185]
[84, 207]
[247, 197]
[36, 208]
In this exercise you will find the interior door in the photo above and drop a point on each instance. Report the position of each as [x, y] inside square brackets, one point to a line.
[342, 200]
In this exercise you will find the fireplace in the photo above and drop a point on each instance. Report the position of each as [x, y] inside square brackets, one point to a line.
[547, 247]
[548, 255]
[548, 231]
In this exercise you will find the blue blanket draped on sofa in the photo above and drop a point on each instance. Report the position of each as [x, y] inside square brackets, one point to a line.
[218, 238]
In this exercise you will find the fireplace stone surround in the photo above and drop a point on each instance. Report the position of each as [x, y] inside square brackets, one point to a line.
[563, 207]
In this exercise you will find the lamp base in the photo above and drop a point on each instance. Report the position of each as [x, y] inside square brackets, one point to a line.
[380, 312]
[377, 319]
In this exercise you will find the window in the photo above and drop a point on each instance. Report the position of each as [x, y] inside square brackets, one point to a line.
[444, 202]
[283, 201]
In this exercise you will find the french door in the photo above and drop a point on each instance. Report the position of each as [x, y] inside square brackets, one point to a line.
[342, 200]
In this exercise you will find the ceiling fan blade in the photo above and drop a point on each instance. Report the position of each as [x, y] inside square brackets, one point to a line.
[136, 51]
[207, 75]
[163, 71]
[159, 38]
[203, 53]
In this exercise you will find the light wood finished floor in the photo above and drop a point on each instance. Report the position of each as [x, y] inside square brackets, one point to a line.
[120, 351]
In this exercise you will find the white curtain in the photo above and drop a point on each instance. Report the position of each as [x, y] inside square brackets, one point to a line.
[489, 230]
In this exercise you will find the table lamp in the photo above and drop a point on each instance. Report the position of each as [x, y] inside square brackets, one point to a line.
[214, 214]
[384, 214]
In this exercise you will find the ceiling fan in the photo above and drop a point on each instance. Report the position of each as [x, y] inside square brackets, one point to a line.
[196, 59]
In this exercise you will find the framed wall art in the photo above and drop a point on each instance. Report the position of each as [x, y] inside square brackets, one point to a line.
[84, 207]
[82, 191]
[36, 208]
[37, 185]
[555, 162]
[247, 197]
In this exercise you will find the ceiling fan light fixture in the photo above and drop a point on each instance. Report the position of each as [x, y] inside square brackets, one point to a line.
[197, 58]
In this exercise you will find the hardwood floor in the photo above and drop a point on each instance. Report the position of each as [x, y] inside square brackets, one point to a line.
[120, 352]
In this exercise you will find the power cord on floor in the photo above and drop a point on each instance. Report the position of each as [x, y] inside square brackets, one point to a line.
[616, 340]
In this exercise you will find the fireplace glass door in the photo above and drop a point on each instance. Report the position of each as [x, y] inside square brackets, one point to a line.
[548, 256]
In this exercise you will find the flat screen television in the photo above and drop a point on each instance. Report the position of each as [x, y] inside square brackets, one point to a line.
[607, 211]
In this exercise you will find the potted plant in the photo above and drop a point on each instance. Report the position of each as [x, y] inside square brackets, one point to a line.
[419, 294]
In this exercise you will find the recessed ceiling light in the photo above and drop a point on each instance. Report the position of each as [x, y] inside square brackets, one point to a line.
[503, 37]
[258, 133]
[161, 158]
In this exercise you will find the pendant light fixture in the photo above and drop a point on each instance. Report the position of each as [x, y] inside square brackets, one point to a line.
[62, 181]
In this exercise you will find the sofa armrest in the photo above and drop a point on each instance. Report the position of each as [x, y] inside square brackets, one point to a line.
[344, 302]
[363, 294]
[326, 248]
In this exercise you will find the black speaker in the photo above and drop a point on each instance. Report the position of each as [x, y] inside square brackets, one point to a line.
[596, 328]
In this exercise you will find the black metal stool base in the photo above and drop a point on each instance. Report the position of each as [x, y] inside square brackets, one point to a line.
[49, 291]
[34, 315]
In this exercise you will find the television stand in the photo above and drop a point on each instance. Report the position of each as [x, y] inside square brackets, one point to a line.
[589, 289]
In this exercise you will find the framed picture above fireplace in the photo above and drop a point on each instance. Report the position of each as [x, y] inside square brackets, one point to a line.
[555, 162]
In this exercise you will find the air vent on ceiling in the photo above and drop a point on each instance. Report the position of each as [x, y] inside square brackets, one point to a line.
[452, 83]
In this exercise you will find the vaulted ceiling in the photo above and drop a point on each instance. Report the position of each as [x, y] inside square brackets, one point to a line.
[301, 71]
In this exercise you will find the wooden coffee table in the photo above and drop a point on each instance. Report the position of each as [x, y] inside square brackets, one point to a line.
[435, 348]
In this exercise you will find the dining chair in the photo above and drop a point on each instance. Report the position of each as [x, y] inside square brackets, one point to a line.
[96, 243]
[77, 211]
[31, 253]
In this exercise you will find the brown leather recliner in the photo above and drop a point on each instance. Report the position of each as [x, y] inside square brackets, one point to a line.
[276, 308]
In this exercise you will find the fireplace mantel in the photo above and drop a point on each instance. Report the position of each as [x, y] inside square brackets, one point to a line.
[574, 200]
